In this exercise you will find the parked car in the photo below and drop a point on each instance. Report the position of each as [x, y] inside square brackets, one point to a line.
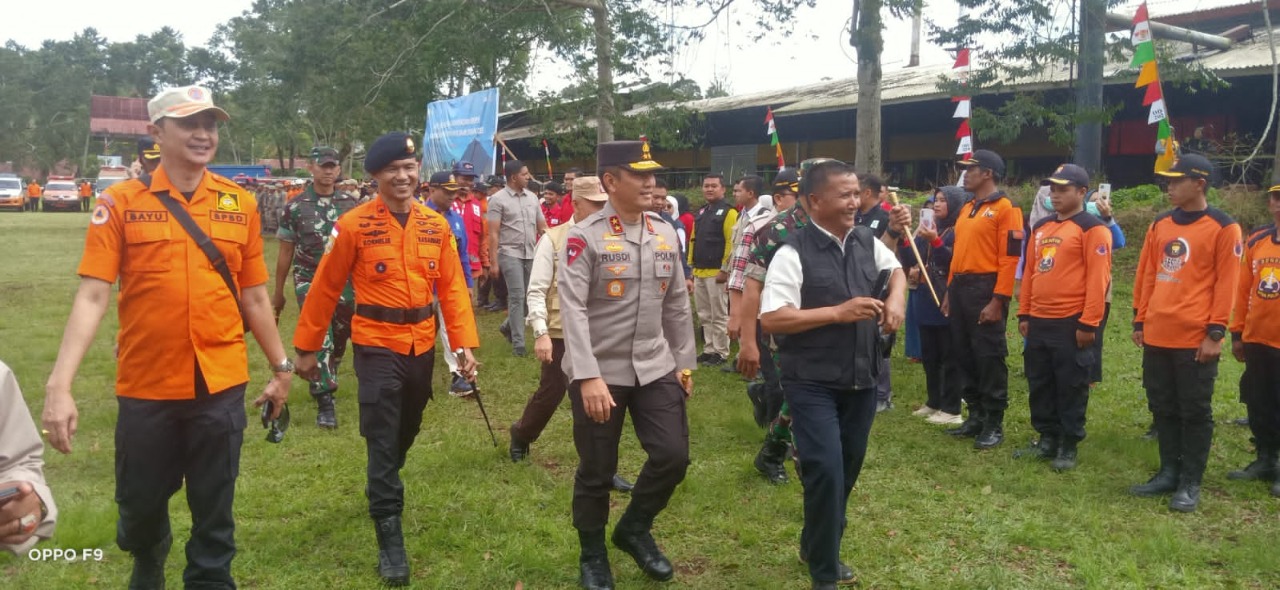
[109, 175]
[61, 194]
[13, 194]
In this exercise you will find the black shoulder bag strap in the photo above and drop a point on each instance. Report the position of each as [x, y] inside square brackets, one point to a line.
[202, 240]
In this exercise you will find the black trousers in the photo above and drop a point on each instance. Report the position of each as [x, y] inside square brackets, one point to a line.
[1180, 394]
[941, 374]
[552, 386]
[161, 443]
[1095, 374]
[831, 428]
[1058, 375]
[1260, 392]
[394, 390]
[980, 349]
[662, 425]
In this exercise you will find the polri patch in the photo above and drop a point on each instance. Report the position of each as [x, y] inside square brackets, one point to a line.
[573, 248]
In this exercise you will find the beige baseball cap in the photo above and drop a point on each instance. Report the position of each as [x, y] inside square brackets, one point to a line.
[588, 187]
[183, 101]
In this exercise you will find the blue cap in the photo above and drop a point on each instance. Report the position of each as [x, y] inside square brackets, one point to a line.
[464, 168]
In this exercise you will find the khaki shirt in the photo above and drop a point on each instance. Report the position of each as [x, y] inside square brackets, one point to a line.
[516, 217]
[544, 297]
[22, 454]
[624, 306]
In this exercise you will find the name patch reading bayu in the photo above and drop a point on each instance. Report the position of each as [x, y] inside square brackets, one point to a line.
[146, 216]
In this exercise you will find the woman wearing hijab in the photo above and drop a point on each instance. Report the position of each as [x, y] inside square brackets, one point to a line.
[935, 245]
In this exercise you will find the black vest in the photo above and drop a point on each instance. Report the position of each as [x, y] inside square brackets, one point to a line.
[708, 235]
[841, 356]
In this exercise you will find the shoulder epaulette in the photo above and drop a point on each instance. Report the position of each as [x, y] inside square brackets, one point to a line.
[1219, 216]
[220, 179]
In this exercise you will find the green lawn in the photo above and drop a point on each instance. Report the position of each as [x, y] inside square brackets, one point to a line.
[929, 511]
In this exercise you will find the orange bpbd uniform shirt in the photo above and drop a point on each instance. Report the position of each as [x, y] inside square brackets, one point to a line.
[175, 309]
[1186, 277]
[1257, 305]
[989, 241]
[394, 267]
[86, 190]
[33, 190]
[1068, 270]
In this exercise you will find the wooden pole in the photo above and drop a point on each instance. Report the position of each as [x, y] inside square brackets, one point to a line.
[893, 196]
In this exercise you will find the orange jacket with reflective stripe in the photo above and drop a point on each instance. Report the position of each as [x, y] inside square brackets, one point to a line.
[394, 267]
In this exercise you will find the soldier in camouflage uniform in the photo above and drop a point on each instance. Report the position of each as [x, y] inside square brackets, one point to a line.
[767, 240]
[305, 228]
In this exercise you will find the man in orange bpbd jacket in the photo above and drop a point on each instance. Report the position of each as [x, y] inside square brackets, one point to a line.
[1182, 298]
[988, 243]
[1061, 305]
[182, 367]
[397, 254]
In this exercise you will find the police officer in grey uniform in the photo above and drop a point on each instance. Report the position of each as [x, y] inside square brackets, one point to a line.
[628, 332]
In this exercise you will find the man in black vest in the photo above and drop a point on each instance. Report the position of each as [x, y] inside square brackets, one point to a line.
[827, 315]
[709, 249]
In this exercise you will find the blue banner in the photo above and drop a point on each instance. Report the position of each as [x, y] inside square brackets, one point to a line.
[461, 129]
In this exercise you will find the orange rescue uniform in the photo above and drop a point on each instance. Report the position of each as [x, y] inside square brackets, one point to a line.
[175, 309]
[33, 190]
[1186, 277]
[393, 267]
[86, 190]
[1257, 305]
[1068, 270]
[989, 241]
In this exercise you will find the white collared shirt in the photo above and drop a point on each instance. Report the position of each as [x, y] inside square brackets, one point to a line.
[786, 273]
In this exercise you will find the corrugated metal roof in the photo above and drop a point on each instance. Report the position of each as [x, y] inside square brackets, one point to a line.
[916, 84]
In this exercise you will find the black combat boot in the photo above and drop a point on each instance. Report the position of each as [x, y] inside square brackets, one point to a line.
[393, 564]
[971, 427]
[1165, 481]
[1066, 459]
[1046, 447]
[593, 563]
[632, 536]
[771, 461]
[1275, 485]
[992, 432]
[148, 566]
[1196, 441]
[326, 416]
[1262, 468]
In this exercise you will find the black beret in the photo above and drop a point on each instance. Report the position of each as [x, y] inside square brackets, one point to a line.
[393, 146]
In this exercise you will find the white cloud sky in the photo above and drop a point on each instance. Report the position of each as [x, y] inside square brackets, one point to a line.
[817, 49]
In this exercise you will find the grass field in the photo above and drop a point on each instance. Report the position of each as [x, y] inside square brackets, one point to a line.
[929, 511]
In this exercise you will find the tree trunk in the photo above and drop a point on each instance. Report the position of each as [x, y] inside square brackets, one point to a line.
[1088, 152]
[917, 22]
[604, 73]
[869, 45]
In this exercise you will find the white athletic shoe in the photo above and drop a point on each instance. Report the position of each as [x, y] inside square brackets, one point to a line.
[944, 418]
[924, 412]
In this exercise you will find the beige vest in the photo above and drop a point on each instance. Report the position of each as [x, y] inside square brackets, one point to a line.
[557, 235]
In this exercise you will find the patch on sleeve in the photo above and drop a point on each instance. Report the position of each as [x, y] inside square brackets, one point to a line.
[1239, 249]
[101, 214]
[1102, 250]
[573, 248]
[333, 235]
[1014, 243]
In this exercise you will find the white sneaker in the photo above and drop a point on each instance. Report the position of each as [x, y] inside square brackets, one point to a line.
[944, 418]
[924, 412]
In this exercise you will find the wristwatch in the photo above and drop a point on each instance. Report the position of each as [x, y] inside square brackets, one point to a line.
[895, 234]
[539, 333]
[1217, 334]
[285, 366]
